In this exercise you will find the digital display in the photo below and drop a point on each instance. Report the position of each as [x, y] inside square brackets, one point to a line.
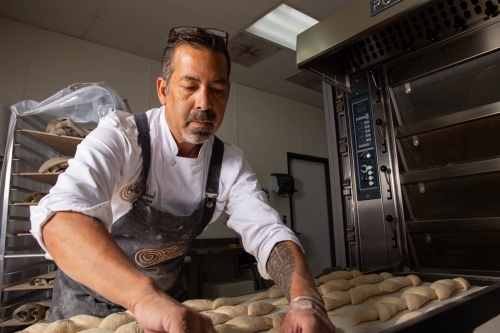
[361, 109]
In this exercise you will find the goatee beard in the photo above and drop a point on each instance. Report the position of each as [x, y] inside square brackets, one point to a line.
[199, 135]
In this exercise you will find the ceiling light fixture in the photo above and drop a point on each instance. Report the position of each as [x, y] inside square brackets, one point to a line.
[282, 25]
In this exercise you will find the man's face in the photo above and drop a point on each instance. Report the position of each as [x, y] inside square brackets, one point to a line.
[196, 98]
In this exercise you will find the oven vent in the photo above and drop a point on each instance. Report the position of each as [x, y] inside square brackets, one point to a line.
[429, 23]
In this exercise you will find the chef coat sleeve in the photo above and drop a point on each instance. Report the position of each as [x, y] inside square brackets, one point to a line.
[88, 183]
[252, 217]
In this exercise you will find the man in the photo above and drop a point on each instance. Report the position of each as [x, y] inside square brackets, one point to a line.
[141, 188]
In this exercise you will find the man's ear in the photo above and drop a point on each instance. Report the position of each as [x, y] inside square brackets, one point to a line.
[161, 86]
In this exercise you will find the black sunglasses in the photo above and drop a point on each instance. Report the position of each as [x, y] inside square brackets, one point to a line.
[179, 31]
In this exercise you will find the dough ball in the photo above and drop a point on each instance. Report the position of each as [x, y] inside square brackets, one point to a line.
[225, 302]
[63, 326]
[132, 327]
[278, 319]
[281, 302]
[363, 315]
[215, 317]
[115, 320]
[199, 304]
[87, 321]
[261, 295]
[232, 311]
[260, 308]
[252, 323]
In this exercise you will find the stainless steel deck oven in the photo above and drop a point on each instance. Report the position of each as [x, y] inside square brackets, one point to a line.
[412, 101]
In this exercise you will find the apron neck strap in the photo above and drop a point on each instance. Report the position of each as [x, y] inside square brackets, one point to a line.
[144, 138]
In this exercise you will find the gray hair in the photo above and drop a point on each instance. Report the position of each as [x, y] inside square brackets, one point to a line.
[199, 40]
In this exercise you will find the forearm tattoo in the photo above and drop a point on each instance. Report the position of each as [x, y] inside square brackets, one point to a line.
[281, 265]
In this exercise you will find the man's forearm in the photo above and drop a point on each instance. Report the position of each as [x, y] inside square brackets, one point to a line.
[83, 248]
[288, 268]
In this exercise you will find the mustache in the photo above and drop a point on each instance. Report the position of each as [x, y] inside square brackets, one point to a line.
[201, 115]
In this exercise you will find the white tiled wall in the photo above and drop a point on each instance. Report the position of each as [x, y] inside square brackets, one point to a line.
[35, 63]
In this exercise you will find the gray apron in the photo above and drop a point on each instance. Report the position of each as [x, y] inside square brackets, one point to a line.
[155, 241]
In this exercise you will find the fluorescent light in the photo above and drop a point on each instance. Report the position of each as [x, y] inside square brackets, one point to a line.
[282, 25]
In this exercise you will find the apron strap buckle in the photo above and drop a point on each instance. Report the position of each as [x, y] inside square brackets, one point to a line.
[210, 199]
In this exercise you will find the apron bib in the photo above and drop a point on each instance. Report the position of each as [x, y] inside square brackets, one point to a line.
[155, 241]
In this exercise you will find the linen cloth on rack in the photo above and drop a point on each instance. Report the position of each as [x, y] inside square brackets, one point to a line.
[43, 280]
[64, 126]
[34, 197]
[33, 312]
[58, 164]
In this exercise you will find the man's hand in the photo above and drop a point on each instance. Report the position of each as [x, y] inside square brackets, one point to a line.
[304, 316]
[158, 313]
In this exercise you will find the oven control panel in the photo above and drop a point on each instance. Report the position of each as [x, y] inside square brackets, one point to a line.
[365, 157]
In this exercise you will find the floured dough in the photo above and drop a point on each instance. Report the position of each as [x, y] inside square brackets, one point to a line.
[385, 310]
[355, 273]
[366, 279]
[261, 295]
[215, 317]
[386, 275]
[415, 301]
[115, 320]
[87, 321]
[275, 293]
[199, 304]
[389, 286]
[281, 302]
[463, 282]
[444, 288]
[407, 316]
[274, 330]
[361, 293]
[340, 298]
[97, 330]
[398, 302]
[232, 311]
[260, 308]
[224, 301]
[415, 280]
[278, 319]
[317, 282]
[132, 327]
[363, 315]
[334, 285]
[36, 328]
[336, 276]
[224, 328]
[252, 323]
[63, 326]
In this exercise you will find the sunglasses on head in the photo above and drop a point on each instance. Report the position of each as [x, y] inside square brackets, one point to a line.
[180, 31]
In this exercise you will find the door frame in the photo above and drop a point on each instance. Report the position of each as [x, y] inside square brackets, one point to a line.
[324, 161]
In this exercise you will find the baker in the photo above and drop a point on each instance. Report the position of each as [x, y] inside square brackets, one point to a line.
[141, 188]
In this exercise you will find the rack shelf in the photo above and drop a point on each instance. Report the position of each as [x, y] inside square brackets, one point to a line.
[25, 285]
[49, 178]
[66, 145]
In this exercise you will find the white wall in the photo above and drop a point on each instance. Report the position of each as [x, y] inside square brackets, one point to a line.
[36, 63]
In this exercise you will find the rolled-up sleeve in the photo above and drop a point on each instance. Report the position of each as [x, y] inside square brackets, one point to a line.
[251, 216]
[88, 183]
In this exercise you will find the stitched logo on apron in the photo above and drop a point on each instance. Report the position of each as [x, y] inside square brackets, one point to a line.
[150, 257]
[131, 192]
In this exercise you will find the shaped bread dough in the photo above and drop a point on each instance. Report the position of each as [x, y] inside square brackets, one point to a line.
[278, 319]
[385, 310]
[340, 298]
[463, 282]
[415, 280]
[260, 308]
[63, 326]
[252, 323]
[275, 293]
[338, 275]
[317, 282]
[444, 288]
[407, 316]
[355, 273]
[87, 321]
[389, 286]
[366, 279]
[36, 328]
[225, 301]
[261, 295]
[281, 302]
[361, 293]
[274, 330]
[399, 302]
[224, 328]
[199, 304]
[232, 311]
[132, 327]
[405, 281]
[97, 330]
[330, 304]
[215, 317]
[363, 315]
[424, 291]
[386, 275]
[415, 301]
[334, 285]
[115, 320]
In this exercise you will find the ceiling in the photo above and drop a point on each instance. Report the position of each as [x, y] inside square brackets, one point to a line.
[141, 27]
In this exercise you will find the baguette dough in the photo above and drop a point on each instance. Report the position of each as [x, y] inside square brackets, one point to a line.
[224, 301]
[224, 328]
[274, 330]
[36, 328]
[97, 330]
[355, 273]
[338, 275]
[340, 298]
[386, 275]
[334, 285]
[278, 319]
[63, 326]
[132, 327]
[87, 321]
[363, 315]
[275, 293]
[232, 311]
[281, 302]
[252, 323]
[260, 308]
[115, 320]
[361, 293]
[444, 288]
[215, 317]
[261, 295]
[199, 304]
[366, 279]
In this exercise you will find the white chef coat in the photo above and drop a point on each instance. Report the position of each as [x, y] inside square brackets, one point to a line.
[97, 183]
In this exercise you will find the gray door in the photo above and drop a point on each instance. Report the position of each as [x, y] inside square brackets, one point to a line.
[311, 213]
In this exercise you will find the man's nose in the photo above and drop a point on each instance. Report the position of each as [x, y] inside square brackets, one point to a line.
[203, 100]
